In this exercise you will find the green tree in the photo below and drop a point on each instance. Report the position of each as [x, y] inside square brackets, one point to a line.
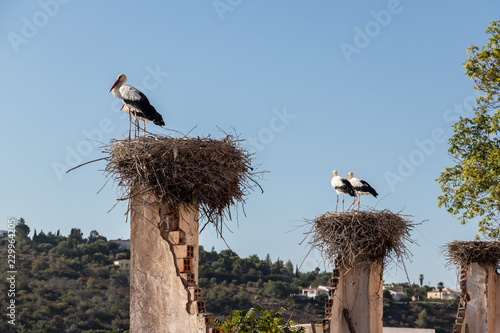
[421, 321]
[94, 235]
[22, 229]
[289, 267]
[257, 320]
[440, 287]
[421, 279]
[75, 238]
[471, 188]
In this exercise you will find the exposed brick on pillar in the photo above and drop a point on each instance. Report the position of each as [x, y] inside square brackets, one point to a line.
[159, 298]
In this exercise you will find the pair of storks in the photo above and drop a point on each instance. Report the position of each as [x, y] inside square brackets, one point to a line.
[355, 187]
[136, 104]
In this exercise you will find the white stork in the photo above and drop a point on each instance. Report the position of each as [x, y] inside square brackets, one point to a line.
[341, 186]
[361, 187]
[135, 103]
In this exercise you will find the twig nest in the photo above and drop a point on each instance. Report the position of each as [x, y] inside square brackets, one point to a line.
[463, 253]
[349, 238]
[214, 174]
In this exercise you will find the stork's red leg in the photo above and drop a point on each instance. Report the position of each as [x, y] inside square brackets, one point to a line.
[138, 127]
[129, 124]
[337, 206]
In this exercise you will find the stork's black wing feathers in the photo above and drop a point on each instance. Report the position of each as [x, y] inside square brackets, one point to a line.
[148, 111]
[346, 187]
[367, 188]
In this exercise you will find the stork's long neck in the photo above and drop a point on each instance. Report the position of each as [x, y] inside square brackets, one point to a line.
[116, 91]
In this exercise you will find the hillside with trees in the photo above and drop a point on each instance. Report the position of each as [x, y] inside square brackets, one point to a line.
[67, 283]
[70, 284]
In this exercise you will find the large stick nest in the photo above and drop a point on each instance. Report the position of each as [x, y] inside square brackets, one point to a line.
[348, 238]
[463, 253]
[213, 174]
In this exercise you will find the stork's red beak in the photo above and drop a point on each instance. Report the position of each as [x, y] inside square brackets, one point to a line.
[114, 85]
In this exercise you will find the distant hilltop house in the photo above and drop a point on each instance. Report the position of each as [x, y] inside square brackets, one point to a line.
[4, 234]
[122, 242]
[313, 292]
[396, 291]
[444, 294]
[123, 264]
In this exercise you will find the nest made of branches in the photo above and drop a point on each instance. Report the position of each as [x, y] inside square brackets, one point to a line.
[351, 237]
[213, 174]
[462, 253]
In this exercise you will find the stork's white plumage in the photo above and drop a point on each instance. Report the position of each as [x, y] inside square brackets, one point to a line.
[341, 186]
[135, 103]
[361, 187]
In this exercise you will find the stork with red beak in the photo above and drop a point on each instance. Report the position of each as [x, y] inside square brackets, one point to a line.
[135, 103]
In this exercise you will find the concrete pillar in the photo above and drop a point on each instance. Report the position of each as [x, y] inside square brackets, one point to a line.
[482, 309]
[357, 301]
[163, 292]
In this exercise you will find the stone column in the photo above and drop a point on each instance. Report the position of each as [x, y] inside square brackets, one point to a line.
[164, 269]
[356, 300]
[482, 307]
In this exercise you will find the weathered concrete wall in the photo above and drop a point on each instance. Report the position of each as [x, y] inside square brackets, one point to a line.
[493, 300]
[158, 296]
[475, 314]
[482, 313]
[359, 290]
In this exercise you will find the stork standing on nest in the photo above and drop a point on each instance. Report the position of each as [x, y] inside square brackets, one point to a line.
[135, 103]
[361, 188]
[341, 186]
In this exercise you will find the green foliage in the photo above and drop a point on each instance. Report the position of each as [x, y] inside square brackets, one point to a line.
[437, 314]
[471, 188]
[421, 321]
[257, 320]
[62, 289]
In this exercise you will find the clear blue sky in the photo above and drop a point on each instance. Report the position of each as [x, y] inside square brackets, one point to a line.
[371, 87]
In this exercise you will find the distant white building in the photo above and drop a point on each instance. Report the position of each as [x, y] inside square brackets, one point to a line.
[396, 291]
[123, 264]
[122, 242]
[397, 295]
[313, 292]
[4, 234]
[444, 294]
[407, 330]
